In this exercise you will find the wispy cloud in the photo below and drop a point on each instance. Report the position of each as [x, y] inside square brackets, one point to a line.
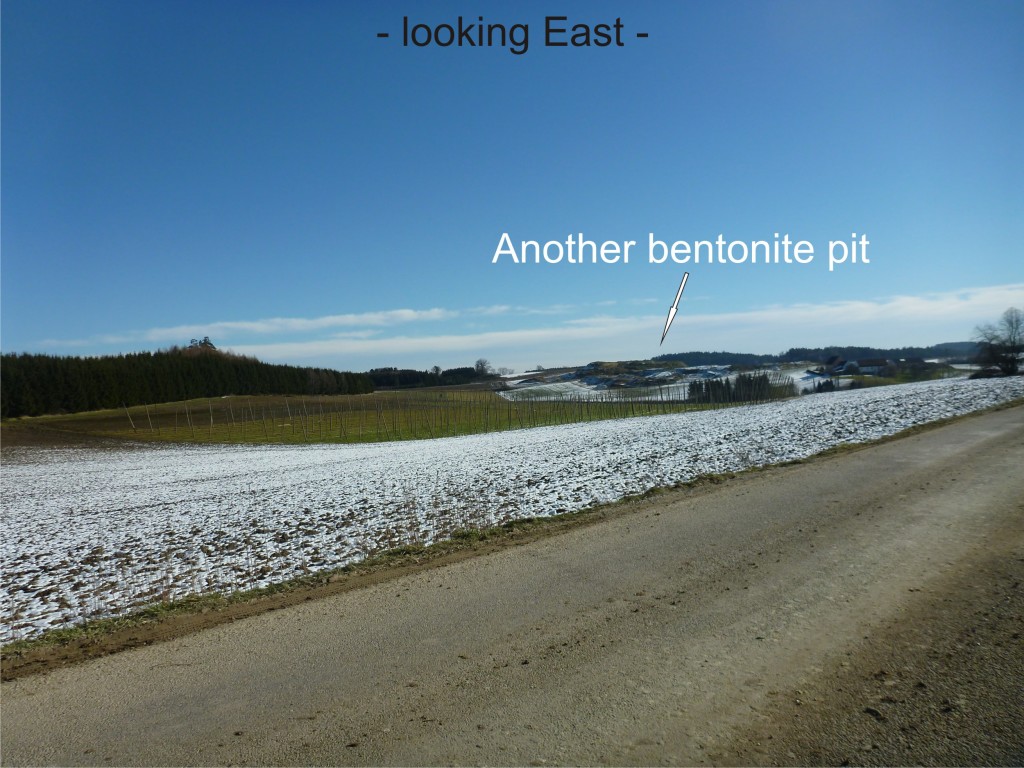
[886, 321]
[527, 335]
[592, 328]
[967, 306]
[554, 309]
[278, 325]
[230, 330]
[265, 327]
[497, 309]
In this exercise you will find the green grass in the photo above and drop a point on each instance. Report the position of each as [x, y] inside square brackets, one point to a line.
[907, 376]
[378, 417]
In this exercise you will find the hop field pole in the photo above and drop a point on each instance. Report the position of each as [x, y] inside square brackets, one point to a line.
[430, 413]
[380, 417]
[129, 417]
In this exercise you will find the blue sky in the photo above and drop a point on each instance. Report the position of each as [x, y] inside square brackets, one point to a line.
[275, 176]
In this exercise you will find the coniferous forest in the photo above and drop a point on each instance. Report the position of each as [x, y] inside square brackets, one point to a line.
[32, 385]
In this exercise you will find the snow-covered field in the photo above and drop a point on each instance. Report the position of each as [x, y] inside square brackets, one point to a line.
[577, 390]
[97, 532]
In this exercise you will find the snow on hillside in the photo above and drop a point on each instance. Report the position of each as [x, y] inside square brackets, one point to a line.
[97, 532]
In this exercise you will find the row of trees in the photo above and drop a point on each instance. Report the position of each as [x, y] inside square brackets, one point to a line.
[745, 388]
[31, 385]
[963, 350]
[405, 378]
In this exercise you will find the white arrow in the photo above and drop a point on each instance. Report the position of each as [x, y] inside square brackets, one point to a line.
[674, 308]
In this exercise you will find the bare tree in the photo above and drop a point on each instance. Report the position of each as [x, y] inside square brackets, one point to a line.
[1001, 344]
[483, 367]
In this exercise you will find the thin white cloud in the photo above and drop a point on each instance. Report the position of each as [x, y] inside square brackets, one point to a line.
[103, 339]
[497, 309]
[398, 345]
[903, 320]
[554, 309]
[276, 325]
[366, 334]
[226, 331]
[970, 305]
[300, 324]
[888, 321]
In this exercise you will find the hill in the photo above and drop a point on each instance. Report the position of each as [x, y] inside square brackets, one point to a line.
[32, 385]
[956, 350]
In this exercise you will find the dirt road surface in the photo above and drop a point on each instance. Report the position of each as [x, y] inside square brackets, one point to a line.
[865, 608]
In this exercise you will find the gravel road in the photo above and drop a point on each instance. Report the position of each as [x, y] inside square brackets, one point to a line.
[864, 608]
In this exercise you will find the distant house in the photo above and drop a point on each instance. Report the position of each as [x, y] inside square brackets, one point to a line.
[812, 375]
[870, 366]
[835, 364]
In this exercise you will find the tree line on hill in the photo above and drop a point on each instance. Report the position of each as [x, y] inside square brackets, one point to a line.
[32, 384]
[404, 378]
[958, 350]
